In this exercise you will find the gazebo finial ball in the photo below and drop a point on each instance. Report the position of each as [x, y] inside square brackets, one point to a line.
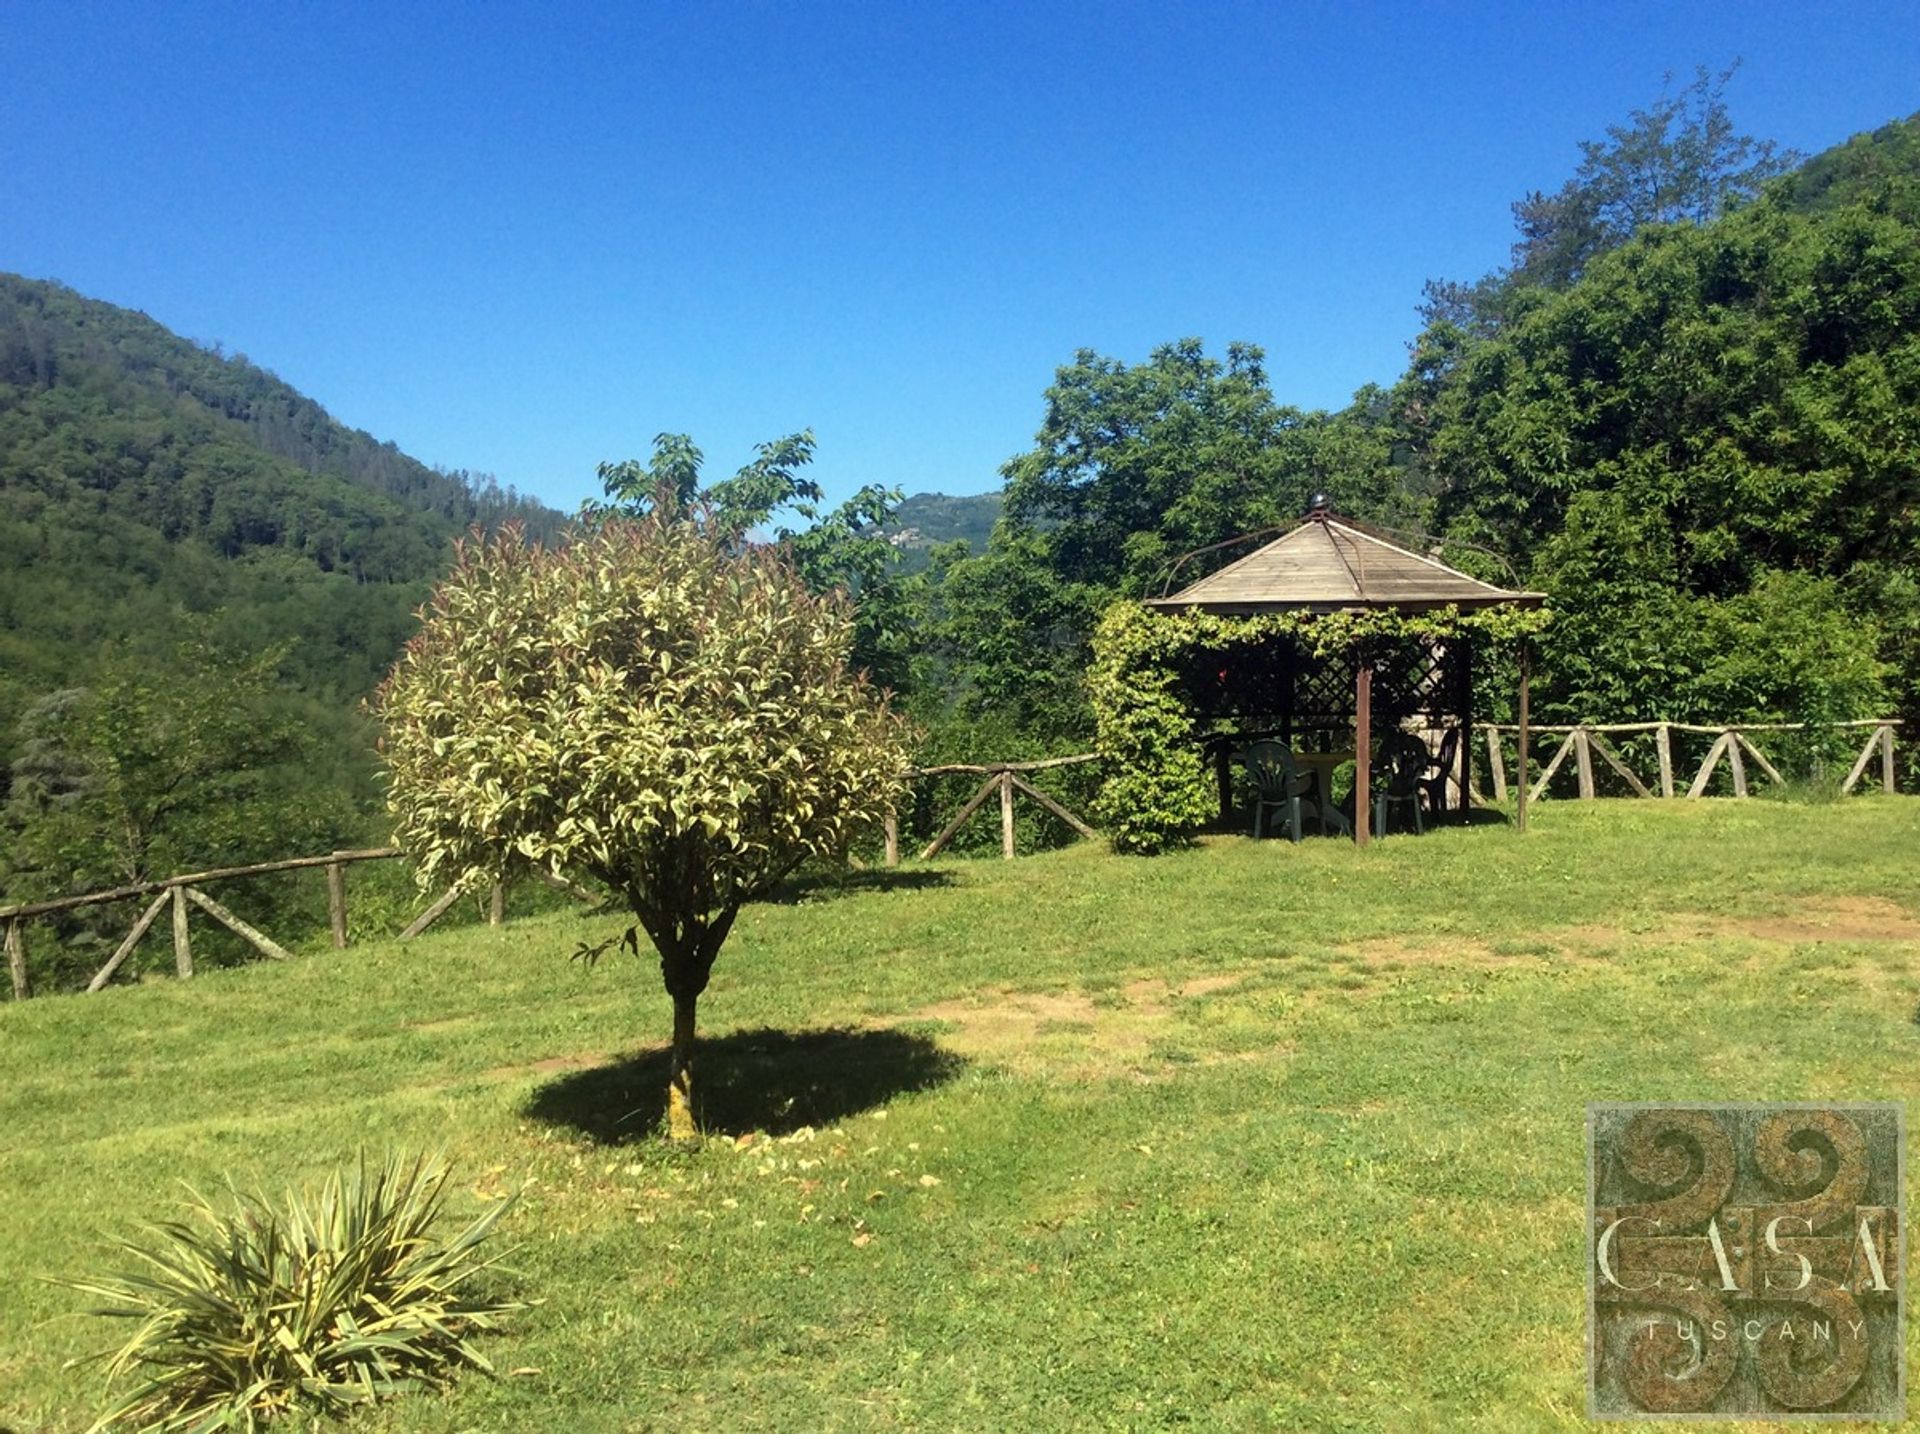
[1319, 503]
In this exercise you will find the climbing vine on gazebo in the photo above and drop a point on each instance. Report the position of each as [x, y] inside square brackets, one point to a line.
[1157, 790]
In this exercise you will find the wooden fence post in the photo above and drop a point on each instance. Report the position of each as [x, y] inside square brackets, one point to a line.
[1006, 815]
[1886, 760]
[1583, 760]
[1362, 752]
[1553, 765]
[1496, 765]
[125, 948]
[1663, 742]
[1619, 764]
[432, 914]
[1059, 811]
[974, 803]
[1520, 809]
[1705, 774]
[893, 838]
[1773, 772]
[1737, 762]
[337, 903]
[182, 943]
[252, 935]
[17, 958]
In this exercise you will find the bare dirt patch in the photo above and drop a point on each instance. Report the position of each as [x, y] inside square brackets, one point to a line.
[1127, 1030]
[1014, 1027]
[1071, 1033]
[1839, 918]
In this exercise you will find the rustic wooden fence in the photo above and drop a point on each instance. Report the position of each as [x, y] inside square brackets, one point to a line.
[1002, 778]
[177, 894]
[1732, 747]
[180, 894]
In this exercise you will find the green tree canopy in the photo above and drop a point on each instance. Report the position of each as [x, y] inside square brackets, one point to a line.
[1136, 464]
[1678, 160]
[842, 547]
[1708, 408]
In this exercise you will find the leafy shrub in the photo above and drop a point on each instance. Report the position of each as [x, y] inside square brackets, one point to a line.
[315, 1305]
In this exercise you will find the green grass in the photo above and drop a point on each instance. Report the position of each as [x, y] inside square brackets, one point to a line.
[1250, 1136]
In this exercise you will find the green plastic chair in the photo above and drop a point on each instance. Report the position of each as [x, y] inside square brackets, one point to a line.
[1280, 785]
[1399, 773]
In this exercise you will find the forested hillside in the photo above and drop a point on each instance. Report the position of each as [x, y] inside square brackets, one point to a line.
[181, 531]
[142, 477]
[1706, 447]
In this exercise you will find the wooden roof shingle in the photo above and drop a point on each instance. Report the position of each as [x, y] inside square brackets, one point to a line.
[1325, 565]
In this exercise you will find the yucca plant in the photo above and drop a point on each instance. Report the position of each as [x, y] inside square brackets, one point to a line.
[251, 1311]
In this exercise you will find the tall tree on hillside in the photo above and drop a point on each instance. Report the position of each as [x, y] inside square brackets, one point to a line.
[157, 765]
[842, 547]
[1136, 464]
[1679, 159]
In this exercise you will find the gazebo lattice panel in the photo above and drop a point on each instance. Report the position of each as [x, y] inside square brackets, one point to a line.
[1279, 683]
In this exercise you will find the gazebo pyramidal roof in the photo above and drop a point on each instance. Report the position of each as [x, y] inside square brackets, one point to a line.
[1325, 565]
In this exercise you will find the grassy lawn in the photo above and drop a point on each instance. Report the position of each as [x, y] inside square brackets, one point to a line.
[1252, 1136]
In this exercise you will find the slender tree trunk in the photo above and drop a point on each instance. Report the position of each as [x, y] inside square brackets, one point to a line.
[687, 950]
[680, 1126]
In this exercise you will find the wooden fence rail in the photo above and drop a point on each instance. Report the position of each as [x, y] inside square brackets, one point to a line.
[1733, 746]
[178, 894]
[1004, 779]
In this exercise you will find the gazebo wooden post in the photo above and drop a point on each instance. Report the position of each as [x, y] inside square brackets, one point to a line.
[1363, 750]
[1458, 687]
[1520, 817]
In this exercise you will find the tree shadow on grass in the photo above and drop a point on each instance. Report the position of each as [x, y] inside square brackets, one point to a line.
[768, 1080]
[825, 885]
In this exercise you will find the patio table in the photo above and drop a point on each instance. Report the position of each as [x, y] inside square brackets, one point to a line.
[1322, 765]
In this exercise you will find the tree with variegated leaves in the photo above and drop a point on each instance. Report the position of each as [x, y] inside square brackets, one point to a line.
[658, 702]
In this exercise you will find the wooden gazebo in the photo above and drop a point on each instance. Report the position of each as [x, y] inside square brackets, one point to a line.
[1281, 686]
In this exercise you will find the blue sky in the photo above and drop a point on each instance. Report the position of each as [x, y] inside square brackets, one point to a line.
[522, 239]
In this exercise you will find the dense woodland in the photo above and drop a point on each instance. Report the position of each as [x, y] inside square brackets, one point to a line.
[1687, 407]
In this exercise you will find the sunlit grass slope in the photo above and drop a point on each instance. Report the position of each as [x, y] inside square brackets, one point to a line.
[1250, 1136]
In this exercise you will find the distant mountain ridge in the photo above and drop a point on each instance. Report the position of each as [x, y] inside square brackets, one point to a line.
[145, 478]
[924, 521]
[47, 330]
